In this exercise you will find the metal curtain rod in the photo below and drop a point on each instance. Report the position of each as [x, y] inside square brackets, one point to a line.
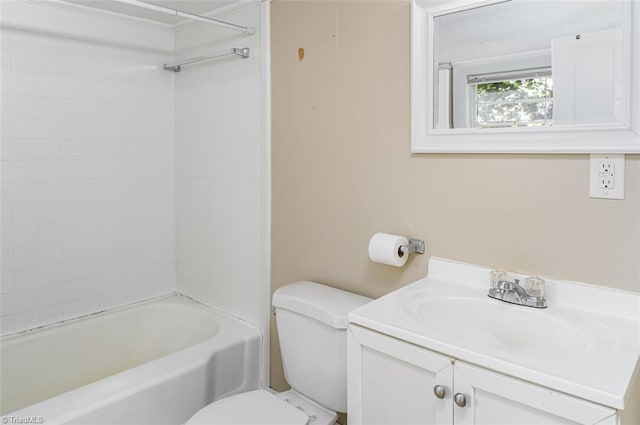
[175, 12]
[177, 66]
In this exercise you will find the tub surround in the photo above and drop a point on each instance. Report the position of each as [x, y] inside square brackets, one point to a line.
[221, 171]
[98, 140]
[222, 148]
[87, 164]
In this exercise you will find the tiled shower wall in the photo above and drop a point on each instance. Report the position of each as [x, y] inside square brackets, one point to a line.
[222, 182]
[87, 164]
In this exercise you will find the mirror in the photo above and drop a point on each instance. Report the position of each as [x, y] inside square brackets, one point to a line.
[530, 64]
[552, 75]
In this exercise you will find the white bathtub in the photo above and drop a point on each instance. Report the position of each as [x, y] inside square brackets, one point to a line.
[152, 363]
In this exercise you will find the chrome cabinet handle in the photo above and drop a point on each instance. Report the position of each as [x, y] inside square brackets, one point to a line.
[460, 399]
[439, 391]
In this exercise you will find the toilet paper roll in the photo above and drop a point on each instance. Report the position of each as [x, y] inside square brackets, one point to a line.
[384, 248]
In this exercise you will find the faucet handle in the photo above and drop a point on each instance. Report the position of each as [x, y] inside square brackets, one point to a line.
[496, 276]
[534, 286]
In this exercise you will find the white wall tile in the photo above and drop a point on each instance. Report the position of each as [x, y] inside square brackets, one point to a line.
[74, 129]
[25, 299]
[25, 214]
[90, 182]
[6, 171]
[50, 234]
[7, 237]
[18, 83]
[19, 127]
[6, 285]
[7, 304]
[7, 217]
[47, 128]
[7, 324]
[51, 294]
[50, 264]
[78, 288]
[75, 108]
[47, 86]
[25, 257]
[7, 191]
[79, 149]
[24, 236]
[24, 149]
[49, 211]
[87, 141]
[15, 105]
[26, 320]
[51, 313]
[25, 279]
[25, 171]
[23, 61]
[7, 259]
[47, 107]
[73, 308]
[50, 172]
[218, 163]
[5, 58]
[24, 192]
[75, 88]
[47, 63]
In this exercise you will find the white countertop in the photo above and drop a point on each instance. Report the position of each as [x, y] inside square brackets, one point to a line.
[586, 343]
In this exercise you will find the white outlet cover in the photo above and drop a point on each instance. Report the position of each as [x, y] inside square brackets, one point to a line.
[617, 191]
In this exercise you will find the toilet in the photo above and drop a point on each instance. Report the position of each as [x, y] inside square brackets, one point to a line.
[312, 321]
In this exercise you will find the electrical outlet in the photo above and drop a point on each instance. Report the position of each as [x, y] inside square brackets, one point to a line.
[607, 176]
[607, 182]
[606, 165]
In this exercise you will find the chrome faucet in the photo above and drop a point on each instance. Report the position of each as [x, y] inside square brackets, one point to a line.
[512, 292]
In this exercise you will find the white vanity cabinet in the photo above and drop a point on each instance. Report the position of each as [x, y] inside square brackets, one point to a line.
[394, 382]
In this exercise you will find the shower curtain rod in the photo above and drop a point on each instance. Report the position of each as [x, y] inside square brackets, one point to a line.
[175, 12]
[177, 66]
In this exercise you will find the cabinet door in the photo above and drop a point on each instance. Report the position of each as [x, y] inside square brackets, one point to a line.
[392, 382]
[495, 399]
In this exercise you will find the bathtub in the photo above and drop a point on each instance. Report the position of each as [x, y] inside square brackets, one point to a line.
[156, 362]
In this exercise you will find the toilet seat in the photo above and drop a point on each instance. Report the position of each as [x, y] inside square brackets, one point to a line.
[258, 407]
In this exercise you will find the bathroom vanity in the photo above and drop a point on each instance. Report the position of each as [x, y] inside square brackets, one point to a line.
[440, 351]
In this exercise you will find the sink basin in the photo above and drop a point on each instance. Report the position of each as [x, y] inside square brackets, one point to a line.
[586, 343]
[481, 322]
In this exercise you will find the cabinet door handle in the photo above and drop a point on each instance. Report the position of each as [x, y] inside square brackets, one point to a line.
[460, 399]
[439, 391]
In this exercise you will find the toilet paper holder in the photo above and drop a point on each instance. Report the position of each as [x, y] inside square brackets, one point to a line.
[414, 246]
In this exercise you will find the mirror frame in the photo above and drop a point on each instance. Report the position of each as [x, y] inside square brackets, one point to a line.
[597, 138]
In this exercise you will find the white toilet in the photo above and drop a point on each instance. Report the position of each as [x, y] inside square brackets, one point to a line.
[311, 320]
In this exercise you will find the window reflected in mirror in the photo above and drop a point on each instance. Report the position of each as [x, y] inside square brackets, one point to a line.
[524, 63]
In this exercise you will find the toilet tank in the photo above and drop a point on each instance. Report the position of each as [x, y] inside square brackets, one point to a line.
[312, 320]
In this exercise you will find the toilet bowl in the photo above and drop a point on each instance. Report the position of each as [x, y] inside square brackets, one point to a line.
[264, 407]
[311, 319]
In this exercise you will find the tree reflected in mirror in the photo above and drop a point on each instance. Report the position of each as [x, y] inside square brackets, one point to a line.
[526, 102]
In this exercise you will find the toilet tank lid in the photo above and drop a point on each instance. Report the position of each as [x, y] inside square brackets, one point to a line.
[321, 302]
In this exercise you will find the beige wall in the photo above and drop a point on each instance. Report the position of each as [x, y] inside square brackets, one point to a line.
[342, 171]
